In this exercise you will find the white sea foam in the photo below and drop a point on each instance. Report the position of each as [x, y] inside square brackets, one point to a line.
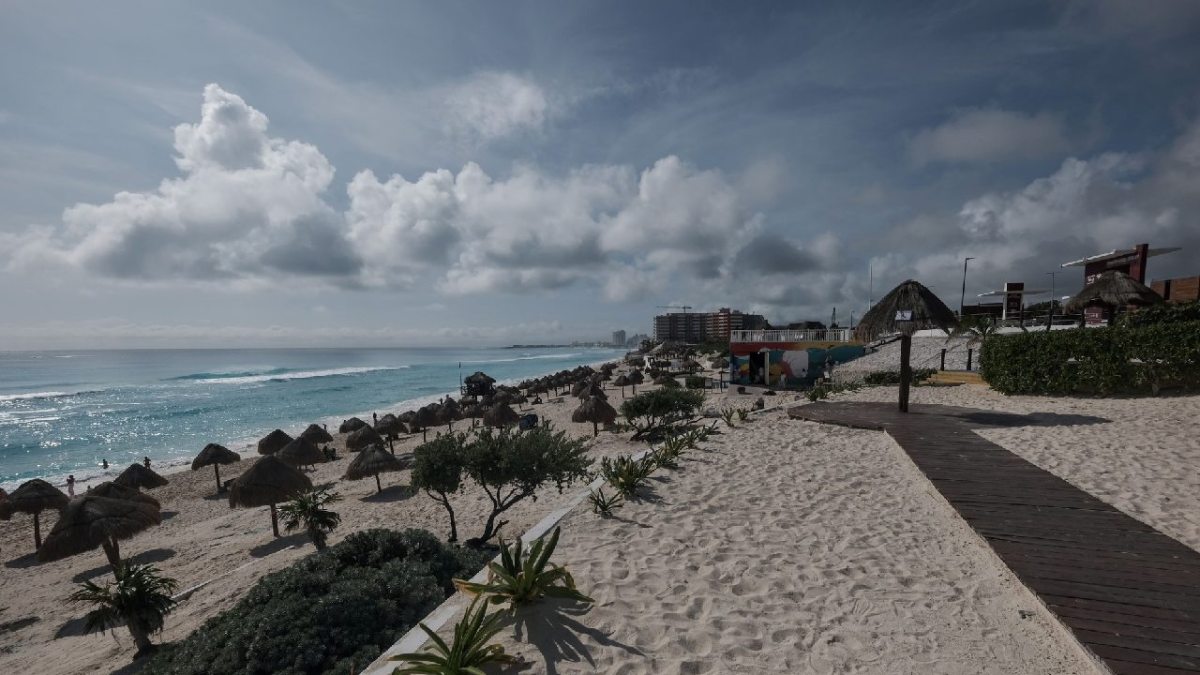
[31, 395]
[297, 375]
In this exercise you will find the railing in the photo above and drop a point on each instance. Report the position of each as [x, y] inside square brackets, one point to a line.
[827, 335]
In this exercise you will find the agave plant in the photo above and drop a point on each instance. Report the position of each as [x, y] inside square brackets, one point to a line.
[625, 473]
[308, 511]
[469, 651]
[603, 504]
[667, 455]
[522, 577]
[728, 414]
[140, 599]
[743, 414]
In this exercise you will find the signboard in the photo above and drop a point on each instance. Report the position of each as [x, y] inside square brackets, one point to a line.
[904, 315]
[1013, 299]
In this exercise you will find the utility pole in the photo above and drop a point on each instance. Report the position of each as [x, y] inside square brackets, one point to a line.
[1050, 319]
[871, 286]
[962, 301]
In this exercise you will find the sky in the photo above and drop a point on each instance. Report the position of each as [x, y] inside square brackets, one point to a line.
[274, 173]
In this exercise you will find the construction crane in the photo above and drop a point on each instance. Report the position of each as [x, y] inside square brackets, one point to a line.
[685, 308]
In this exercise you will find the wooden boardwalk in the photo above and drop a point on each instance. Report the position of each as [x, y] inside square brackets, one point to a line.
[1128, 592]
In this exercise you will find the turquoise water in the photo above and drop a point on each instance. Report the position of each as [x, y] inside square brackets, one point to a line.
[64, 412]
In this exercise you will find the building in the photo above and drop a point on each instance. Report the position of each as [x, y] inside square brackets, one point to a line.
[680, 327]
[695, 327]
[1131, 261]
[789, 358]
[636, 340]
[618, 338]
[1182, 289]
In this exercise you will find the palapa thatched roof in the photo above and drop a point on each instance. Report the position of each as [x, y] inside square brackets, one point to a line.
[622, 381]
[363, 438]
[301, 452]
[719, 363]
[390, 425]
[317, 434]
[1114, 289]
[351, 425]
[665, 379]
[273, 442]
[140, 477]
[906, 308]
[427, 416]
[500, 416]
[90, 520]
[596, 410]
[113, 490]
[479, 377]
[373, 461]
[214, 454]
[33, 496]
[269, 481]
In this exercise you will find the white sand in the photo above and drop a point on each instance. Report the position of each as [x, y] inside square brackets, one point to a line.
[790, 547]
[202, 539]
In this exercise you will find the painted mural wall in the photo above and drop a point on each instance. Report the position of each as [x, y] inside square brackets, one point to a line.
[786, 364]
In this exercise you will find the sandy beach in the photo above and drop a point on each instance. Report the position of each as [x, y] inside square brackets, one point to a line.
[782, 546]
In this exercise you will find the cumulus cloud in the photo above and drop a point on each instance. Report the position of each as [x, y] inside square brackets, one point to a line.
[990, 135]
[247, 205]
[492, 105]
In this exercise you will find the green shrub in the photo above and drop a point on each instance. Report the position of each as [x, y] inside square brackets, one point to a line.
[883, 377]
[522, 577]
[695, 382]
[652, 412]
[1173, 312]
[437, 469]
[1098, 361]
[511, 466]
[327, 613]
[625, 473]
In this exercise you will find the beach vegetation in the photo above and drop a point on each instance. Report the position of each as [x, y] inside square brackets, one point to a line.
[625, 473]
[667, 454]
[728, 414]
[327, 614]
[140, 599]
[524, 576]
[743, 414]
[511, 466]
[469, 649]
[890, 377]
[1166, 312]
[307, 512]
[1142, 359]
[695, 381]
[438, 470]
[652, 413]
[603, 504]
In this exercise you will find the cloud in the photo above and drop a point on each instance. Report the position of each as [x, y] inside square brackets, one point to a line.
[1135, 19]
[492, 105]
[248, 205]
[981, 135]
[251, 208]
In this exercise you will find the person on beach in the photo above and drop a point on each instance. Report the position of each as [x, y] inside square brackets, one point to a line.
[374, 418]
[71, 485]
[104, 464]
[146, 462]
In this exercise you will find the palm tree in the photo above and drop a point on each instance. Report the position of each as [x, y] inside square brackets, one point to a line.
[140, 599]
[308, 511]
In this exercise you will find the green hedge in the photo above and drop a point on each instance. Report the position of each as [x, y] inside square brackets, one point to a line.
[880, 377]
[1099, 361]
[327, 612]
[695, 381]
[1173, 312]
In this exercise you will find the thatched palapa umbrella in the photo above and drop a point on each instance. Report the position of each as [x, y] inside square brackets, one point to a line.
[267, 483]
[273, 442]
[362, 439]
[301, 452]
[140, 478]
[622, 381]
[390, 427]
[595, 410]
[112, 490]
[906, 309]
[215, 455]
[372, 462]
[93, 521]
[1113, 290]
[500, 416]
[316, 434]
[351, 425]
[33, 497]
[427, 416]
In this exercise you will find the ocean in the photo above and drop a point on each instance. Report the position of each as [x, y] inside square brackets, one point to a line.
[65, 412]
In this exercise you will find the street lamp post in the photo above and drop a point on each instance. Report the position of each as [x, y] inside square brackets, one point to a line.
[963, 299]
[1050, 320]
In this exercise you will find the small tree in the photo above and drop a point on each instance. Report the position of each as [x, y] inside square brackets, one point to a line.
[308, 511]
[651, 412]
[511, 466]
[437, 469]
[140, 599]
